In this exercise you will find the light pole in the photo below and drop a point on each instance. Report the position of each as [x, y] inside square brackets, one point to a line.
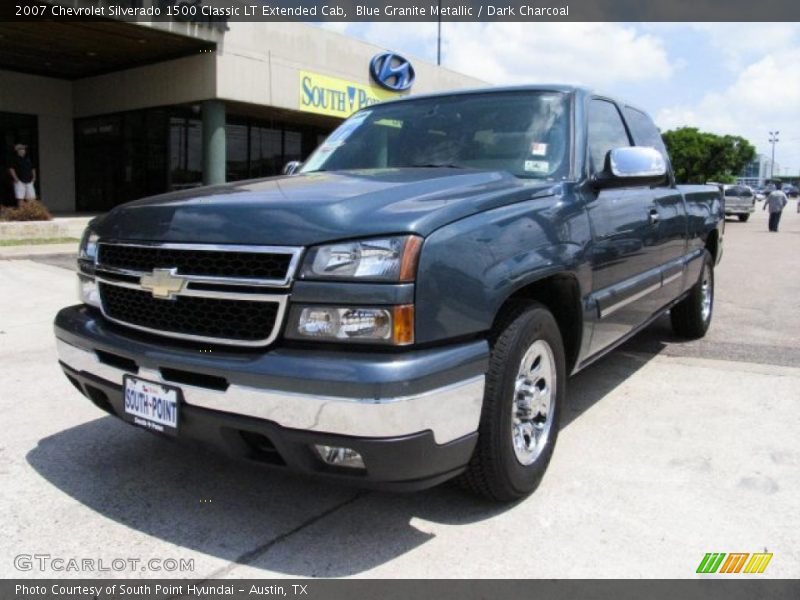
[773, 139]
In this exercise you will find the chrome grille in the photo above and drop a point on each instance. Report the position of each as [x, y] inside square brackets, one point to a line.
[240, 320]
[257, 264]
[222, 294]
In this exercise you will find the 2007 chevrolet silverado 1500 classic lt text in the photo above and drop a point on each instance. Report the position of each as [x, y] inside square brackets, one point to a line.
[407, 307]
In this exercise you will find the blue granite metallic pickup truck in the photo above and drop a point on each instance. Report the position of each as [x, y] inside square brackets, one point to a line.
[406, 307]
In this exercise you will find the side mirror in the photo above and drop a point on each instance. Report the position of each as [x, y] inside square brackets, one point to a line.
[291, 167]
[632, 166]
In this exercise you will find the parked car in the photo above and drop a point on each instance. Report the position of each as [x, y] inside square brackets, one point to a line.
[791, 191]
[739, 201]
[407, 308]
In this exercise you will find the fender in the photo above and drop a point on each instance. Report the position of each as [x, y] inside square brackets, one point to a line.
[470, 268]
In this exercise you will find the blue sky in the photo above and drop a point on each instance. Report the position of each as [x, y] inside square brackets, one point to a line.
[736, 78]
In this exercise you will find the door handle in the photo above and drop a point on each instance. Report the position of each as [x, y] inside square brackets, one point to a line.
[654, 216]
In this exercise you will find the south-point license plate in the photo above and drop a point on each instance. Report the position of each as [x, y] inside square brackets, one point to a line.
[151, 405]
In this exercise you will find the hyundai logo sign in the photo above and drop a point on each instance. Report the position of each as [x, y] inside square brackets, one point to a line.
[391, 71]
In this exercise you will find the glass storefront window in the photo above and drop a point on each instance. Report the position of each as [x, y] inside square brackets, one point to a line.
[292, 146]
[236, 152]
[131, 155]
[265, 151]
[185, 152]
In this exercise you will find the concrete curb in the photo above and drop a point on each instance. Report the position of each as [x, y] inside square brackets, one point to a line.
[58, 227]
[24, 252]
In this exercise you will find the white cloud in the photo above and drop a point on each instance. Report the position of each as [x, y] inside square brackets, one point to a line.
[764, 95]
[595, 54]
[740, 42]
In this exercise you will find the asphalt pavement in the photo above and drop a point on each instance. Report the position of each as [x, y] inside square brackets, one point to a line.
[668, 450]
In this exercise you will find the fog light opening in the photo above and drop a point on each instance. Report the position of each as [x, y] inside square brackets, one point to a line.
[337, 456]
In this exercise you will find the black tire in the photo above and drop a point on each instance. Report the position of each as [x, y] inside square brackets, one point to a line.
[743, 218]
[494, 470]
[688, 318]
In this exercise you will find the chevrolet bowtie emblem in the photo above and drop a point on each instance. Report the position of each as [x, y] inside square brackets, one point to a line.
[163, 283]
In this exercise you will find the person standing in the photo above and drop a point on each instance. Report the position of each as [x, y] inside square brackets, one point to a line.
[776, 201]
[23, 175]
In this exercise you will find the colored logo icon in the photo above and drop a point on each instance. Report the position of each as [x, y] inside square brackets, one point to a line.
[735, 562]
[391, 71]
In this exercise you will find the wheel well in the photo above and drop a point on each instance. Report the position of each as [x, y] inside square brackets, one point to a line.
[712, 244]
[561, 295]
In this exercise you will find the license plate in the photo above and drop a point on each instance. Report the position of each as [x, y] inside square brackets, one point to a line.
[152, 405]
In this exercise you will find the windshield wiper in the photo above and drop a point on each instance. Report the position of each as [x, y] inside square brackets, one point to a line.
[437, 166]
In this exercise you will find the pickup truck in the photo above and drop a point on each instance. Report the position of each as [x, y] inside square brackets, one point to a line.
[407, 307]
[740, 201]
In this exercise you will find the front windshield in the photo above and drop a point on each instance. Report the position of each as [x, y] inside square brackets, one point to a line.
[524, 133]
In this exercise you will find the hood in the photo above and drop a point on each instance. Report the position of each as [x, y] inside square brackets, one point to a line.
[313, 208]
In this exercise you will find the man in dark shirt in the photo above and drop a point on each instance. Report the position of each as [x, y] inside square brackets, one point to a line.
[23, 174]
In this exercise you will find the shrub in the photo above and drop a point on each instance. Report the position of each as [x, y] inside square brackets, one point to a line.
[32, 210]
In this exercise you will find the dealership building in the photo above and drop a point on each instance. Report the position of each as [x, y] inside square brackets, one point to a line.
[114, 111]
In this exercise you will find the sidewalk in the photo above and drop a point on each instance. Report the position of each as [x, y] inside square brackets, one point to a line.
[24, 251]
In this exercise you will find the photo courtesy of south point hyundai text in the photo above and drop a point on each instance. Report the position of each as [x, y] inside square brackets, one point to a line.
[399, 299]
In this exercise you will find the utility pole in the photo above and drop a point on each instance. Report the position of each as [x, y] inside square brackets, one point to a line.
[773, 139]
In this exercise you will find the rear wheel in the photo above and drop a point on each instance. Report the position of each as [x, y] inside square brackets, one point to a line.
[525, 389]
[691, 317]
[743, 218]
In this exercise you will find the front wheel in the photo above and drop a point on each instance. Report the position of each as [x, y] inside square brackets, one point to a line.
[525, 389]
[743, 218]
[691, 317]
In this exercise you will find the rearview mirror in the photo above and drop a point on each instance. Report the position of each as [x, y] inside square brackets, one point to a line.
[291, 167]
[632, 166]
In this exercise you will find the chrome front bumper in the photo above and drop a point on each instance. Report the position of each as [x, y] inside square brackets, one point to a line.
[450, 412]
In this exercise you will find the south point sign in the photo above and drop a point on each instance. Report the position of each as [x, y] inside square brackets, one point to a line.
[337, 97]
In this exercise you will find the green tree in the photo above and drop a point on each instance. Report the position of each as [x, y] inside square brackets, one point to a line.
[699, 156]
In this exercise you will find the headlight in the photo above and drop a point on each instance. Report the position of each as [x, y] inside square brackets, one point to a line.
[382, 325]
[88, 248]
[382, 259]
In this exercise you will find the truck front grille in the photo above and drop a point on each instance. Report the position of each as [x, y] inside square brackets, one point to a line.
[240, 264]
[234, 295]
[190, 315]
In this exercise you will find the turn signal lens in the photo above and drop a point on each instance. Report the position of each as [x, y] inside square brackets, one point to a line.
[403, 326]
[410, 258]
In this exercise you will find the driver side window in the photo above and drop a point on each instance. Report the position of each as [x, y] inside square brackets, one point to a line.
[606, 132]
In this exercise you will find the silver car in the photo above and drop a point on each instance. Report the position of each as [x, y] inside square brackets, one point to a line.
[739, 201]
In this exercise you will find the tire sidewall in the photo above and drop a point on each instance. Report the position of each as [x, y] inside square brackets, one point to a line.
[708, 264]
[538, 324]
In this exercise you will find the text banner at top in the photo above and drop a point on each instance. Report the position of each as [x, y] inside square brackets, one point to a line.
[217, 13]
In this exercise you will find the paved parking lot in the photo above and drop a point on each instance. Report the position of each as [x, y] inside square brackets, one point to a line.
[668, 450]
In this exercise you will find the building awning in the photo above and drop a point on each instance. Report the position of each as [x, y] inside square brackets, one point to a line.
[72, 50]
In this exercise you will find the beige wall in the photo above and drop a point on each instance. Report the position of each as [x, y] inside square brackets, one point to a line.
[255, 63]
[51, 101]
[189, 79]
[259, 63]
